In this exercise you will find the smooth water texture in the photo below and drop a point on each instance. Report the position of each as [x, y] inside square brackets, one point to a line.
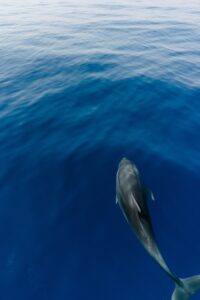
[82, 84]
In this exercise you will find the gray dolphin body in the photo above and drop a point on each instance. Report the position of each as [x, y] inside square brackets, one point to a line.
[132, 199]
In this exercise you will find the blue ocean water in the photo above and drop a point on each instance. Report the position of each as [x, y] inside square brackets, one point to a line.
[82, 84]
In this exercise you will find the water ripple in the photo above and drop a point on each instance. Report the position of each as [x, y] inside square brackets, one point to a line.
[83, 84]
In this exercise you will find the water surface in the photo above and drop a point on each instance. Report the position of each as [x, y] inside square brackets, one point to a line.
[82, 84]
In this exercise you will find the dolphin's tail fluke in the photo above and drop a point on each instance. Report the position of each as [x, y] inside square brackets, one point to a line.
[186, 288]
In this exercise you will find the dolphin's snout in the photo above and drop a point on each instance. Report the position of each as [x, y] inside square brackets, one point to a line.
[124, 160]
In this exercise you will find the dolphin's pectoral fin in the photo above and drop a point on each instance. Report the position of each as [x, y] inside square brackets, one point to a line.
[117, 200]
[147, 192]
[152, 196]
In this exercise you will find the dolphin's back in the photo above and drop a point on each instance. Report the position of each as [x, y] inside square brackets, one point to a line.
[129, 190]
[128, 182]
[132, 200]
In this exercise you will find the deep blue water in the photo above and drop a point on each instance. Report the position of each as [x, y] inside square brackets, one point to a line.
[82, 84]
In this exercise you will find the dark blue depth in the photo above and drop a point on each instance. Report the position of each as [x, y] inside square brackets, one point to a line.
[81, 86]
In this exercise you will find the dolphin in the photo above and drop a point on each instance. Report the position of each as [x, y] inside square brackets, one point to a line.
[132, 199]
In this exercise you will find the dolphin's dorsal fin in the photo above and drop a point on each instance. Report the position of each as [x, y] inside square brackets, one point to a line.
[135, 203]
